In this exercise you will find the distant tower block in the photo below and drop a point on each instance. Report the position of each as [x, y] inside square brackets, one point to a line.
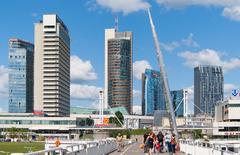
[52, 66]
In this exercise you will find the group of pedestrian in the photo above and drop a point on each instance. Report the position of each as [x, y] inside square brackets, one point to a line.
[159, 143]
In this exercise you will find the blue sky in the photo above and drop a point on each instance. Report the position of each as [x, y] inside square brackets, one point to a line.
[190, 32]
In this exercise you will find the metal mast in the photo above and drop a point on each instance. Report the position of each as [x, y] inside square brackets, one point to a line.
[116, 23]
[163, 75]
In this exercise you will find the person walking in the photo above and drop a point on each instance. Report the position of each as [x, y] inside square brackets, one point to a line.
[160, 138]
[119, 139]
[167, 140]
[149, 144]
[145, 148]
[173, 143]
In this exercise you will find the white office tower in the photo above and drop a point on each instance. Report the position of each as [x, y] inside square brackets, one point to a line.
[114, 34]
[52, 67]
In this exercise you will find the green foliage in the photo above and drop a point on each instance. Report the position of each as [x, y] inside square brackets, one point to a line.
[86, 122]
[114, 133]
[20, 147]
[120, 116]
[89, 122]
[197, 134]
[17, 133]
[114, 120]
[140, 131]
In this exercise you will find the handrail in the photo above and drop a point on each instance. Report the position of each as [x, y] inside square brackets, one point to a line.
[45, 151]
[109, 144]
[216, 146]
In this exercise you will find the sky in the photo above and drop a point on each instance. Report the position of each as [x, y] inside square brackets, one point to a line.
[191, 33]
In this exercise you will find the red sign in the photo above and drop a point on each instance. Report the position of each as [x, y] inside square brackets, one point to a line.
[38, 112]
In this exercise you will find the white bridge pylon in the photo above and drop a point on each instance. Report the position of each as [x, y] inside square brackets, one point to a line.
[163, 75]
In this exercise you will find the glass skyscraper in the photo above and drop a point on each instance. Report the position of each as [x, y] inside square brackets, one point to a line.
[119, 73]
[208, 88]
[21, 58]
[152, 92]
[117, 59]
[180, 102]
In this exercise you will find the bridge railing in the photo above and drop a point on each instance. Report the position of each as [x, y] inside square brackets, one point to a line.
[206, 148]
[104, 146]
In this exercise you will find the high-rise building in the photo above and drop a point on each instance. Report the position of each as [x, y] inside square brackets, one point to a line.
[208, 88]
[21, 58]
[52, 67]
[180, 102]
[152, 92]
[118, 69]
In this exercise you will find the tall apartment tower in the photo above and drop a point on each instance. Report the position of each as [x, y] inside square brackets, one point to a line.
[152, 92]
[21, 58]
[118, 69]
[208, 88]
[52, 67]
[180, 101]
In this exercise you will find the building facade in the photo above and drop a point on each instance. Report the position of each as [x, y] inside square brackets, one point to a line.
[52, 67]
[119, 73]
[21, 56]
[208, 88]
[152, 92]
[118, 69]
[227, 121]
[180, 102]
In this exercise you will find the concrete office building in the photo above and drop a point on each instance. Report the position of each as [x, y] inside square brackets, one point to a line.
[21, 58]
[52, 67]
[208, 88]
[118, 69]
[227, 121]
[180, 102]
[152, 92]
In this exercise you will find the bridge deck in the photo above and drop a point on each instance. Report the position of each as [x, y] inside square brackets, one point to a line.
[135, 150]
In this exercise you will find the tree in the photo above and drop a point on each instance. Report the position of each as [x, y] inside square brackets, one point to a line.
[89, 122]
[197, 134]
[119, 115]
[117, 120]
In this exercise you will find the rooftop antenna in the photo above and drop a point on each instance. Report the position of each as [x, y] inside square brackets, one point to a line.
[116, 23]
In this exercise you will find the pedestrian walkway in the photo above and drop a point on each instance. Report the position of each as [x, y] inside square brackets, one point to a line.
[134, 149]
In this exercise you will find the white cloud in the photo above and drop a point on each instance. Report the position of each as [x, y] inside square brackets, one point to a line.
[231, 7]
[124, 6]
[3, 82]
[136, 93]
[209, 57]
[85, 92]
[139, 68]
[170, 46]
[190, 93]
[81, 70]
[189, 42]
[184, 3]
[137, 109]
[232, 12]
[34, 14]
[190, 99]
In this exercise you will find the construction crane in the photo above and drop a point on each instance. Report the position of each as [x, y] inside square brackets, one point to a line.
[163, 75]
